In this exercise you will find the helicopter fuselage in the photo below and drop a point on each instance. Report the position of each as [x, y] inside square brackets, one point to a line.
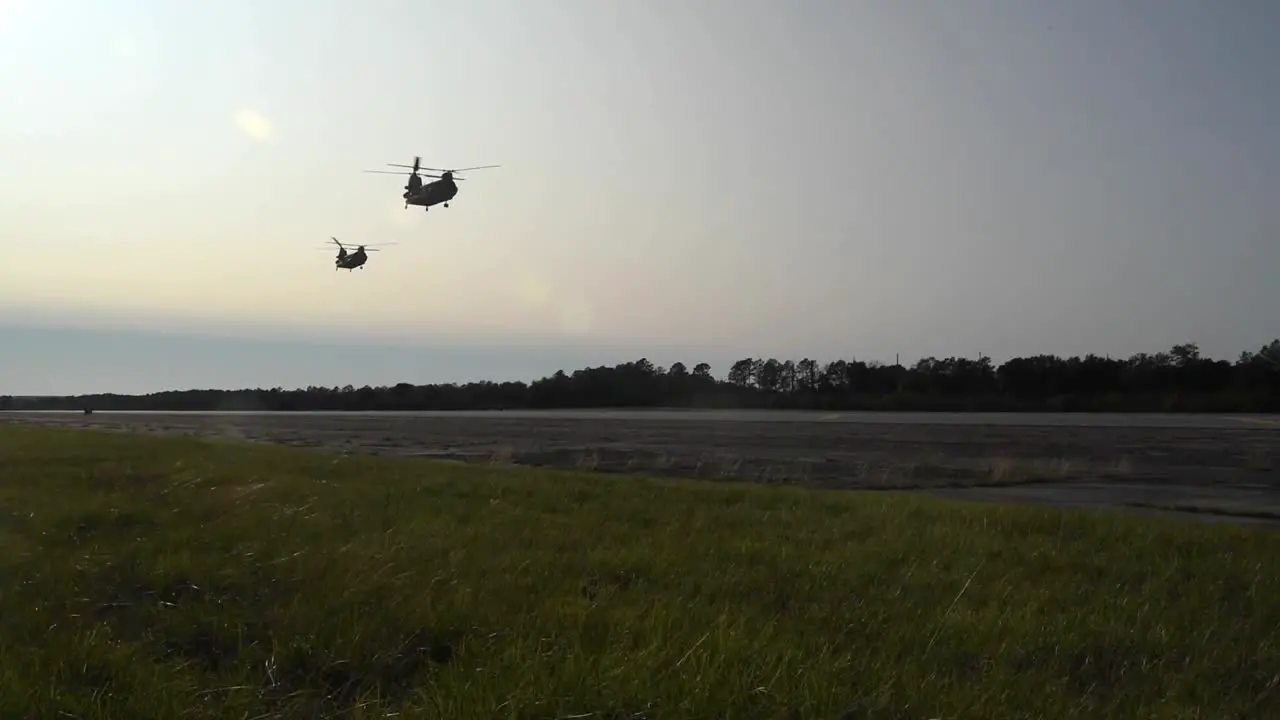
[351, 260]
[433, 193]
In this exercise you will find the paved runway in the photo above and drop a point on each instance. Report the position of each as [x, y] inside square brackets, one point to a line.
[1118, 420]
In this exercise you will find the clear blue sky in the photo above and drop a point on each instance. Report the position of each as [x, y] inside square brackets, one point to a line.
[700, 180]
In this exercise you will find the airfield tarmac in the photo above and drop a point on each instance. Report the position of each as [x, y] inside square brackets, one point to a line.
[1210, 467]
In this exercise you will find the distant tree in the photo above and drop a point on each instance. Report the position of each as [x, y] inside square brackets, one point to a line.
[1185, 355]
[767, 373]
[1178, 379]
[740, 373]
[807, 374]
[787, 377]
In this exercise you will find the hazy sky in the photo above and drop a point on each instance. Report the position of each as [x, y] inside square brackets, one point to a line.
[681, 180]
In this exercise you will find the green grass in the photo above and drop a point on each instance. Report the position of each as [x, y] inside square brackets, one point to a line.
[170, 577]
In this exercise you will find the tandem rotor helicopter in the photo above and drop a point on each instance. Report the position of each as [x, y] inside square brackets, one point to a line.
[353, 259]
[439, 192]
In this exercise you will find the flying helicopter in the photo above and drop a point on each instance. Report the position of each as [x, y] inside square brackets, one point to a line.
[353, 259]
[439, 192]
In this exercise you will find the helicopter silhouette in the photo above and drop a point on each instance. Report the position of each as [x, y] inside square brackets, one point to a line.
[425, 195]
[354, 259]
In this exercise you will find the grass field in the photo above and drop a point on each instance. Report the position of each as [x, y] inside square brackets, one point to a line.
[145, 577]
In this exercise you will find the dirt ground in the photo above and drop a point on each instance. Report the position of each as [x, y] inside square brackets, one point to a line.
[1208, 474]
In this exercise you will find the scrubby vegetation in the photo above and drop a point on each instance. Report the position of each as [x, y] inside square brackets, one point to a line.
[1178, 380]
[150, 577]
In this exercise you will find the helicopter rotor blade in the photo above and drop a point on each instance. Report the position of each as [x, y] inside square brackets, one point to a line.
[418, 169]
[406, 174]
[458, 170]
[351, 248]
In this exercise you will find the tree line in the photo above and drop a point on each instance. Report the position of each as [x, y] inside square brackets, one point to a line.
[1180, 380]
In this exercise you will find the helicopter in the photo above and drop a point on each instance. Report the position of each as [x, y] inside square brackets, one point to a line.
[439, 192]
[354, 259]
